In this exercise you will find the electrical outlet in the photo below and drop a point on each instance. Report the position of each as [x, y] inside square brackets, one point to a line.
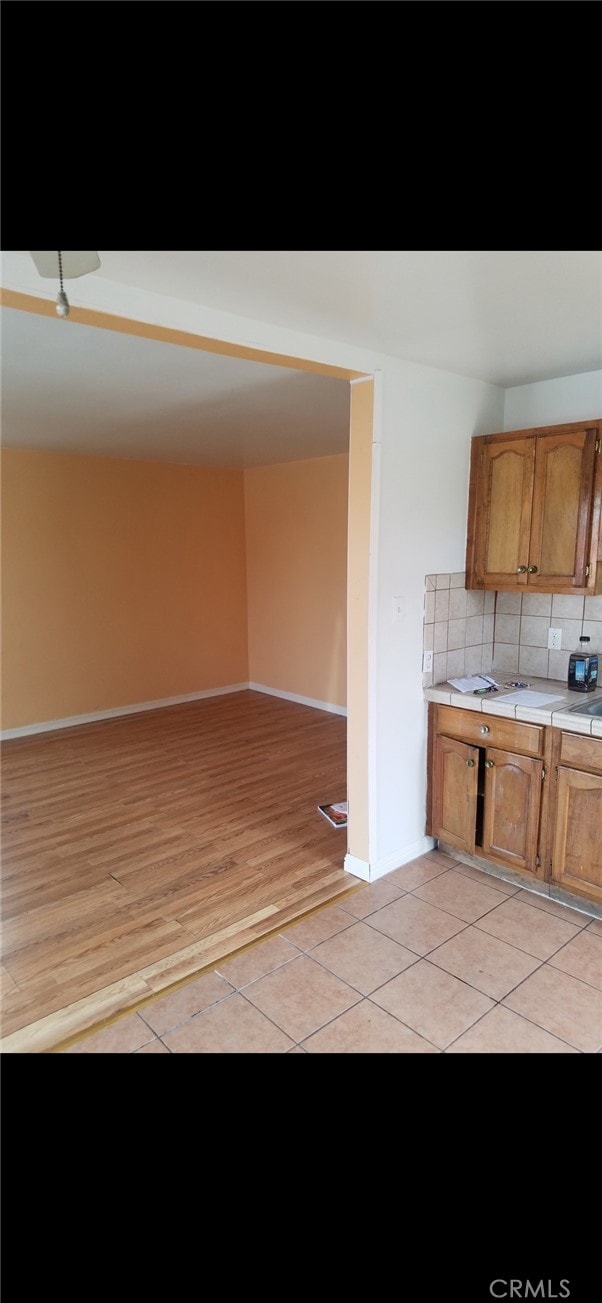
[427, 662]
[555, 639]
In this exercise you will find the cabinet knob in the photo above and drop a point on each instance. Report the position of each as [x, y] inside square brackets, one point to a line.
[521, 570]
[484, 729]
[470, 764]
[532, 570]
[489, 764]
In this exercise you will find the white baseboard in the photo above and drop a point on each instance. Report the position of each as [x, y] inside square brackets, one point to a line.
[359, 868]
[395, 861]
[372, 872]
[72, 721]
[294, 696]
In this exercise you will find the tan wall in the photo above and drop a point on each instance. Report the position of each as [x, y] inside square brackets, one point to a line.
[296, 530]
[122, 582]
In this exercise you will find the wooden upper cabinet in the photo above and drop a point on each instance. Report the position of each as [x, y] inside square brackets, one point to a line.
[503, 518]
[534, 510]
[562, 509]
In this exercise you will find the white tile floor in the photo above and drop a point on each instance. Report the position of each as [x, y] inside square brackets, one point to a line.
[437, 957]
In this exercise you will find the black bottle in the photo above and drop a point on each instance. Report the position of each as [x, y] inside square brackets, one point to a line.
[583, 668]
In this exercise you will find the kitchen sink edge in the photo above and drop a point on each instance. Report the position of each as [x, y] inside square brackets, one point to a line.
[593, 708]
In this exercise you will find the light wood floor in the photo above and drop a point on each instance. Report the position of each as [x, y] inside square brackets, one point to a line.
[138, 850]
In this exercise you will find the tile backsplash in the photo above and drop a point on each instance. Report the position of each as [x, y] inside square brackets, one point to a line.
[471, 631]
[522, 621]
[458, 628]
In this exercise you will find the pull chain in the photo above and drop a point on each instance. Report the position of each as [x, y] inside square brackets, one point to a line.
[62, 302]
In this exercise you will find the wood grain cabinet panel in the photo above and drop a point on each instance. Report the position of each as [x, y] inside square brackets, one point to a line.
[456, 769]
[577, 853]
[503, 522]
[490, 730]
[579, 752]
[562, 510]
[485, 798]
[534, 510]
[511, 808]
[520, 795]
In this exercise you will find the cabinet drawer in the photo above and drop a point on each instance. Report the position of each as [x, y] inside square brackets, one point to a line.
[581, 752]
[490, 730]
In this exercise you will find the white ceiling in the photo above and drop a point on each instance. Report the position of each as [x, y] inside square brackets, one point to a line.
[74, 388]
[508, 317]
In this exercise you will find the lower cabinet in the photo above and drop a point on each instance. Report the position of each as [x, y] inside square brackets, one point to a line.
[455, 793]
[511, 808]
[577, 847]
[522, 795]
[487, 799]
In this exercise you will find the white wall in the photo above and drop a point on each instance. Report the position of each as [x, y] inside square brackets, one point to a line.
[423, 428]
[429, 418]
[553, 402]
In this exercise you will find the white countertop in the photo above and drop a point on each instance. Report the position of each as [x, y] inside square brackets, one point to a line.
[556, 713]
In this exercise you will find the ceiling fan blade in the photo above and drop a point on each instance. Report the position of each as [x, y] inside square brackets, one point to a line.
[75, 263]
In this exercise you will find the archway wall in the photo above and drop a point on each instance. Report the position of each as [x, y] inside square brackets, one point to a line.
[423, 420]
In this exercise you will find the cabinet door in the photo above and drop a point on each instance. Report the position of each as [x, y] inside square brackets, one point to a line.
[577, 854]
[456, 771]
[562, 510]
[502, 516]
[511, 810]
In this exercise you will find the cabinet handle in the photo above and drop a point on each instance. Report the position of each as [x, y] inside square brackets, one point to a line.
[470, 764]
[521, 570]
[489, 764]
[484, 729]
[532, 570]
